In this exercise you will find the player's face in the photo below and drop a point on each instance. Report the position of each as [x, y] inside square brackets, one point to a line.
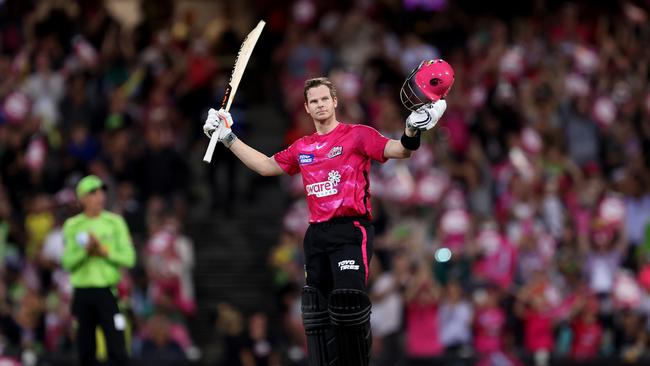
[94, 201]
[320, 105]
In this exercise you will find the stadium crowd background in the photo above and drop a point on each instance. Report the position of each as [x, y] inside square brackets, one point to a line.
[518, 232]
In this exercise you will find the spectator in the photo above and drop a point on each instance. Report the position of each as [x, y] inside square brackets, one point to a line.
[630, 339]
[386, 317]
[456, 316]
[230, 327]
[422, 316]
[259, 348]
[169, 262]
[159, 345]
[489, 322]
[587, 332]
[535, 311]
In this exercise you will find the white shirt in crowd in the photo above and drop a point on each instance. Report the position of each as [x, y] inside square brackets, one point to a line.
[386, 316]
[637, 216]
[53, 245]
[455, 323]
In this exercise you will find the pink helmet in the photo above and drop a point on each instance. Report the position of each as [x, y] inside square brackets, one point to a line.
[432, 79]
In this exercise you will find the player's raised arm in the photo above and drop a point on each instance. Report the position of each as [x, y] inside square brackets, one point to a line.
[220, 122]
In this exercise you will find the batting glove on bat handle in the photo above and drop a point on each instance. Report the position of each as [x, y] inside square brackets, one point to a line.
[215, 121]
[226, 118]
[427, 116]
[211, 122]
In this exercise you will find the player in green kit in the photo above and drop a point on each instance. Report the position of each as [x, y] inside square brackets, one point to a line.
[97, 246]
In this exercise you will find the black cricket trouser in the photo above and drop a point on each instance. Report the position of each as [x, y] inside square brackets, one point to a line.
[338, 253]
[98, 306]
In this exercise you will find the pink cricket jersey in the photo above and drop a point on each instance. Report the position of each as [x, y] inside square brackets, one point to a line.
[335, 169]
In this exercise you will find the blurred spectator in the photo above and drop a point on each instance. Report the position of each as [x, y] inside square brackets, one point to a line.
[535, 304]
[39, 221]
[259, 348]
[386, 316]
[230, 327]
[285, 260]
[158, 344]
[422, 315]
[630, 339]
[456, 316]
[587, 332]
[169, 263]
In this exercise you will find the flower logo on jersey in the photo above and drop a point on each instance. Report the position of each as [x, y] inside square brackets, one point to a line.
[336, 151]
[326, 188]
[334, 177]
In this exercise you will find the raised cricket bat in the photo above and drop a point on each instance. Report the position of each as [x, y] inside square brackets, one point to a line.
[240, 65]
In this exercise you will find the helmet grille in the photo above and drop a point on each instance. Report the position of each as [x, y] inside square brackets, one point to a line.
[410, 95]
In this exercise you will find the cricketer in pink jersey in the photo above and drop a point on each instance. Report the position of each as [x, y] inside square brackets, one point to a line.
[335, 169]
[334, 163]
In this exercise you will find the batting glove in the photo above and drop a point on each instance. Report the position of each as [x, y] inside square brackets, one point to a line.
[211, 122]
[218, 121]
[427, 116]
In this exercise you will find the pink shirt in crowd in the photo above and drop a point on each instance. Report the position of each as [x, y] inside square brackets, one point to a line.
[335, 169]
[422, 330]
[586, 341]
[500, 266]
[489, 325]
[538, 331]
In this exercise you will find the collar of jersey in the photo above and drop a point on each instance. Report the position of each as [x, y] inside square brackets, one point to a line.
[316, 135]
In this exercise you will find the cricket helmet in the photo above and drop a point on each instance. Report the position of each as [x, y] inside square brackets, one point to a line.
[429, 82]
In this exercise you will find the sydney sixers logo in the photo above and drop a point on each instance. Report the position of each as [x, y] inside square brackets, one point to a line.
[336, 151]
[326, 188]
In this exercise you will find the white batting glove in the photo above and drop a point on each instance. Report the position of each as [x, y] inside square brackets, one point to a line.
[218, 121]
[427, 116]
[211, 122]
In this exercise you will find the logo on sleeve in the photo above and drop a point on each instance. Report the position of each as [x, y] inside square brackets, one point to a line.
[304, 159]
[326, 188]
[336, 151]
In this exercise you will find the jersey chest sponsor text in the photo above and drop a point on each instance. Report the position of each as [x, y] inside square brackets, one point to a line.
[325, 188]
[321, 189]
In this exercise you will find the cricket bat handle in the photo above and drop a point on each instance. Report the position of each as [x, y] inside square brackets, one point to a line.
[207, 158]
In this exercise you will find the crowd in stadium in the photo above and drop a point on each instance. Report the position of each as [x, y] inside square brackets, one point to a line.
[519, 229]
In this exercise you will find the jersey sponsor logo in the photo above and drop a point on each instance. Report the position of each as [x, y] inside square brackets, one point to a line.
[336, 151]
[320, 146]
[304, 159]
[348, 264]
[326, 188]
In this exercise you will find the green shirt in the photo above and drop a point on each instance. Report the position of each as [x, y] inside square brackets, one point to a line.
[95, 271]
